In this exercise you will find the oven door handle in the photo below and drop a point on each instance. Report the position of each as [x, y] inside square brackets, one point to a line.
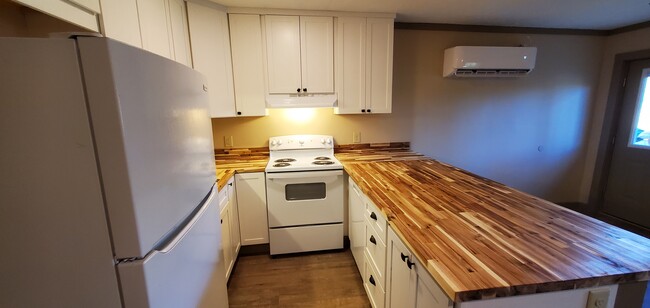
[308, 174]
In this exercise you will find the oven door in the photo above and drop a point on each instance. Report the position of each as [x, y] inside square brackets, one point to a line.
[304, 198]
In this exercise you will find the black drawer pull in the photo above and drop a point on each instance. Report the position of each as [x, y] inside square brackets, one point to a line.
[404, 257]
[372, 280]
[372, 239]
[373, 216]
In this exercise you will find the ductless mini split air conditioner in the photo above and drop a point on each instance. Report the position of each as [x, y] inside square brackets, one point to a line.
[487, 61]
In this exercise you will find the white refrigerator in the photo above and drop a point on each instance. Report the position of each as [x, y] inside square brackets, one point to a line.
[107, 195]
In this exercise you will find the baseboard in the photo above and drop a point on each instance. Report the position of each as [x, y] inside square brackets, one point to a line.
[255, 250]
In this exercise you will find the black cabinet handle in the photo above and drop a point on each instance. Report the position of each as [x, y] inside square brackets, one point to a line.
[363, 110]
[368, 110]
[298, 90]
[404, 257]
[409, 264]
[304, 89]
[222, 221]
[373, 216]
[238, 112]
[372, 280]
[229, 184]
[372, 239]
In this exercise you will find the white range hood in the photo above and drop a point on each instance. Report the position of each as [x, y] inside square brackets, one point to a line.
[301, 100]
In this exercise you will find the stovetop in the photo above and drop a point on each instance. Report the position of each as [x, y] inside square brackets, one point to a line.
[302, 153]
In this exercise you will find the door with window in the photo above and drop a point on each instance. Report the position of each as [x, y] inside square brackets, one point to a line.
[627, 194]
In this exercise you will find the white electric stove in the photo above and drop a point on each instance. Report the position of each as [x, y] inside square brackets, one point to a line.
[302, 153]
[304, 187]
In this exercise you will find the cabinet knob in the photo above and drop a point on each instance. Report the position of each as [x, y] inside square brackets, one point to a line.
[372, 280]
[372, 239]
[368, 110]
[409, 264]
[304, 89]
[373, 215]
[222, 221]
[404, 257]
[363, 110]
[238, 112]
[298, 90]
[229, 184]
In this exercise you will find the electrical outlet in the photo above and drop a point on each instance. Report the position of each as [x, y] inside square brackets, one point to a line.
[227, 140]
[356, 137]
[598, 299]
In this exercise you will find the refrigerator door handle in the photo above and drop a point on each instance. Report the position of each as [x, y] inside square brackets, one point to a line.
[169, 244]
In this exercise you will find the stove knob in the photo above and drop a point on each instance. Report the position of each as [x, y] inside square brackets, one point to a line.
[301, 142]
[322, 140]
[273, 143]
[329, 141]
[279, 142]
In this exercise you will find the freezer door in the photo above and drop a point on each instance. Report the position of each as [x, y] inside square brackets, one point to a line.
[153, 135]
[188, 271]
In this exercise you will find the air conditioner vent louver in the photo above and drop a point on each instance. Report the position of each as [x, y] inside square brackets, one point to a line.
[490, 73]
[485, 61]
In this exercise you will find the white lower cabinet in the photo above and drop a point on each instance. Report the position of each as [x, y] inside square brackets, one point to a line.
[392, 276]
[251, 200]
[229, 220]
[408, 282]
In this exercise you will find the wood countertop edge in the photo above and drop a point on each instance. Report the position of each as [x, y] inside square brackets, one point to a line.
[510, 290]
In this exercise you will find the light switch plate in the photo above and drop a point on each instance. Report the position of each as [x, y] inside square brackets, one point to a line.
[598, 299]
[227, 141]
[356, 137]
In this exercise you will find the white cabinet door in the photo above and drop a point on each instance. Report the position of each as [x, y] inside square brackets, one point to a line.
[247, 64]
[317, 54]
[69, 11]
[251, 199]
[379, 65]
[154, 26]
[179, 32]
[234, 218]
[283, 53]
[226, 238]
[120, 21]
[357, 225]
[210, 42]
[351, 64]
[401, 276]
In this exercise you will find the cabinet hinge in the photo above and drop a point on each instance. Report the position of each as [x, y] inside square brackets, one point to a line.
[624, 82]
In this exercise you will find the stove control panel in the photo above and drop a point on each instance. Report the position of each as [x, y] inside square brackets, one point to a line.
[296, 142]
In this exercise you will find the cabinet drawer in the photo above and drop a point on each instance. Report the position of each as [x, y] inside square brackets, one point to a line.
[376, 219]
[375, 291]
[376, 250]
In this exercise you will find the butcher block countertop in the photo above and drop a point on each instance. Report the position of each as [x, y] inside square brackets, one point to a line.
[481, 239]
[231, 161]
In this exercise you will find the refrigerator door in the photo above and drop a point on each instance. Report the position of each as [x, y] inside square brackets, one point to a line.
[187, 271]
[153, 136]
[56, 249]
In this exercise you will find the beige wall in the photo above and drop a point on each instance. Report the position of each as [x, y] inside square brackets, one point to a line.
[493, 127]
[528, 133]
[621, 43]
[255, 131]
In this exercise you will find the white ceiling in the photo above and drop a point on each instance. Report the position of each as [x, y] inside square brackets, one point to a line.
[568, 14]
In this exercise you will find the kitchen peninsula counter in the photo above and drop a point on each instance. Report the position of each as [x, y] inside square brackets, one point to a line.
[231, 161]
[480, 239]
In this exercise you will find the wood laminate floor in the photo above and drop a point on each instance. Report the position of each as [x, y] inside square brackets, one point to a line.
[328, 279]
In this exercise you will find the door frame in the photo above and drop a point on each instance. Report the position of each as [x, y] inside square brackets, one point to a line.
[610, 124]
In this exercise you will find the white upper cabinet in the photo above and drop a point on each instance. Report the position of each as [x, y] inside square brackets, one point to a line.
[300, 54]
[120, 21]
[364, 65]
[247, 64]
[210, 42]
[82, 13]
[155, 27]
[180, 39]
